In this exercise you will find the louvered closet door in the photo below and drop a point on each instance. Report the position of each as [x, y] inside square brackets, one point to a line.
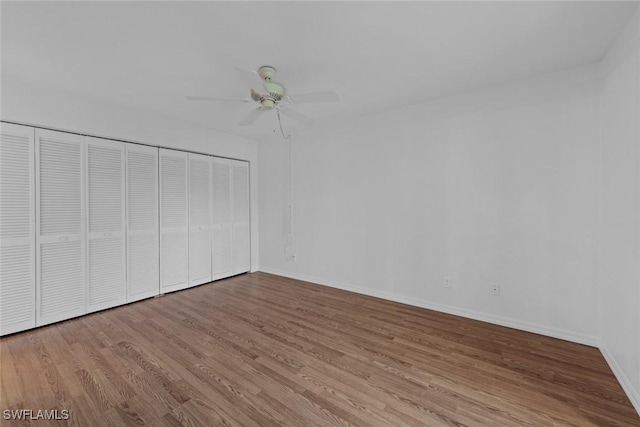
[174, 233]
[60, 279]
[143, 267]
[241, 242]
[17, 229]
[222, 220]
[106, 276]
[199, 219]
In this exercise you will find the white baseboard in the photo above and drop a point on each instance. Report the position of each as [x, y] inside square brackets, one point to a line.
[627, 386]
[471, 314]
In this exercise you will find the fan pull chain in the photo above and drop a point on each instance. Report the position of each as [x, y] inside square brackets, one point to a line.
[287, 138]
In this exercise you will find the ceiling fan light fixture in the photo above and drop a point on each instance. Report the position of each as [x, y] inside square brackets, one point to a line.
[267, 104]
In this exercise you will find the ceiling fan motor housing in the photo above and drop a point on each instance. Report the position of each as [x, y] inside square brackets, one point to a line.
[276, 90]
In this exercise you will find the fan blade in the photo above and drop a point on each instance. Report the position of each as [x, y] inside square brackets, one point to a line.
[256, 96]
[250, 78]
[251, 117]
[297, 116]
[305, 98]
[215, 98]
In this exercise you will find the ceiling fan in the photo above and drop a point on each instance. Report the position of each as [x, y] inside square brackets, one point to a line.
[272, 96]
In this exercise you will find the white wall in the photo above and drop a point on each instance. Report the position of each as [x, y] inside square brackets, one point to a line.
[497, 186]
[619, 254]
[28, 103]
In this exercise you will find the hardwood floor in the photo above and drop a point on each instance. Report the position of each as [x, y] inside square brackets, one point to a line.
[262, 350]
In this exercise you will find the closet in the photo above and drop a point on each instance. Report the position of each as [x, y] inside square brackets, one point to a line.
[106, 272]
[174, 222]
[143, 241]
[88, 223]
[17, 229]
[200, 202]
[241, 234]
[231, 232]
[60, 226]
[222, 220]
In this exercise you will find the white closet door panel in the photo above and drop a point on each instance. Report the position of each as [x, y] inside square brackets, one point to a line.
[16, 182]
[221, 189]
[174, 261]
[107, 282]
[105, 172]
[60, 183]
[199, 190]
[241, 193]
[60, 231]
[142, 188]
[174, 194]
[199, 257]
[105, 224]
[241, 254]
[17, 296]
[62, 293]
[222, 252]
[199, 219]
[222, 218]
[17, 229]
[174, 232]
[241, 241]
[143, 268]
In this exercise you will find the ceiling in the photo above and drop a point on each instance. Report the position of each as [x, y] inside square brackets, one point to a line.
[377, 55]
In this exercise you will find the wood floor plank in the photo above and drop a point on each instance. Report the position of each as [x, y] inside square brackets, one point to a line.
[12, 391]
[262, 350]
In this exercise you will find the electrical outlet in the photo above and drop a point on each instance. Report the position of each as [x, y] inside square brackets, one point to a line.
[495, 290]
[447, 282]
